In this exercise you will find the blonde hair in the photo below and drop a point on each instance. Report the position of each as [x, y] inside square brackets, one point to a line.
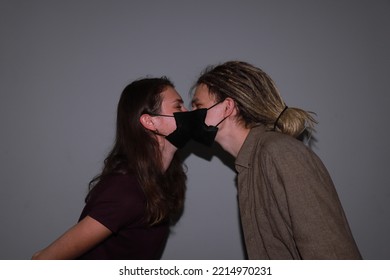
[256, 96]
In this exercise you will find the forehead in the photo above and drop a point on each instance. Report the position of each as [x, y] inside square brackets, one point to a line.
[203, 95]
[170, 95]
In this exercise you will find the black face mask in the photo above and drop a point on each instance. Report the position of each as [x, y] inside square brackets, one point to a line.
[200, 131]
[181, 135]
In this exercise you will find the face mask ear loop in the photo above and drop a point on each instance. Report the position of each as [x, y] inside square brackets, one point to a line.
[221, 121]
[215, 104]
[159, 115]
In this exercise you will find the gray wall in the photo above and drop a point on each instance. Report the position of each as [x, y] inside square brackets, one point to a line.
[64, 64]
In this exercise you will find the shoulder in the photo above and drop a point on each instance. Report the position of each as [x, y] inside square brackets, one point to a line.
[287, 153]
[284, 150]
[116, 201]
[279, 143]
[119, 179]
[118, 186]
[264, 145]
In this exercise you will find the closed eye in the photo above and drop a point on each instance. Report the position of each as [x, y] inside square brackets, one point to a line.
[196, 105]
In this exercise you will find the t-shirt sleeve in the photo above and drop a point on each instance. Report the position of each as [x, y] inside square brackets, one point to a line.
[117, 202]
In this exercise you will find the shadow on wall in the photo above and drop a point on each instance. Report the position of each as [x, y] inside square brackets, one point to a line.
[207, 153]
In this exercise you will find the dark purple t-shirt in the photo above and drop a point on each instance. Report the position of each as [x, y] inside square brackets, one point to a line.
[118, 203]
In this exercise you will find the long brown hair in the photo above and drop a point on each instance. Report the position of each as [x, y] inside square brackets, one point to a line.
[256, 96]
[136, 151]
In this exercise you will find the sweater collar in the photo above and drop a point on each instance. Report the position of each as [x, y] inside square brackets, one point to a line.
[244, 155]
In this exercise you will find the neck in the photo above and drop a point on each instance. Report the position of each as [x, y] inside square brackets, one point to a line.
[167, 152]
[233, 137]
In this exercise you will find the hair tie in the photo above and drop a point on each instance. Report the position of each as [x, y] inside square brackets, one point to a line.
[275, 123]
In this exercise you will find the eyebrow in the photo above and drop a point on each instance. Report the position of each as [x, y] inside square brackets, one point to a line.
[178, 100]
[195, 101]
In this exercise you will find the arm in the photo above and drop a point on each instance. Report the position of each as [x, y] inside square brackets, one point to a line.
[76, 241]
[319, 225]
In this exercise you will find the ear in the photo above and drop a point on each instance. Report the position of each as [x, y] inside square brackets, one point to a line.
[147, 121]
[230, 109]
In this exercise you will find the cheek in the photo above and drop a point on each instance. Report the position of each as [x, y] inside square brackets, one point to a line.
[170, 125]
[166, 126]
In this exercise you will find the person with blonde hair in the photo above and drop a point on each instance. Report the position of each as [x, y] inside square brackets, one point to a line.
[288, 204]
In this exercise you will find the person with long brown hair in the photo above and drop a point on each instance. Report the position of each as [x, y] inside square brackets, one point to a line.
[140, 191]
[288, 204]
